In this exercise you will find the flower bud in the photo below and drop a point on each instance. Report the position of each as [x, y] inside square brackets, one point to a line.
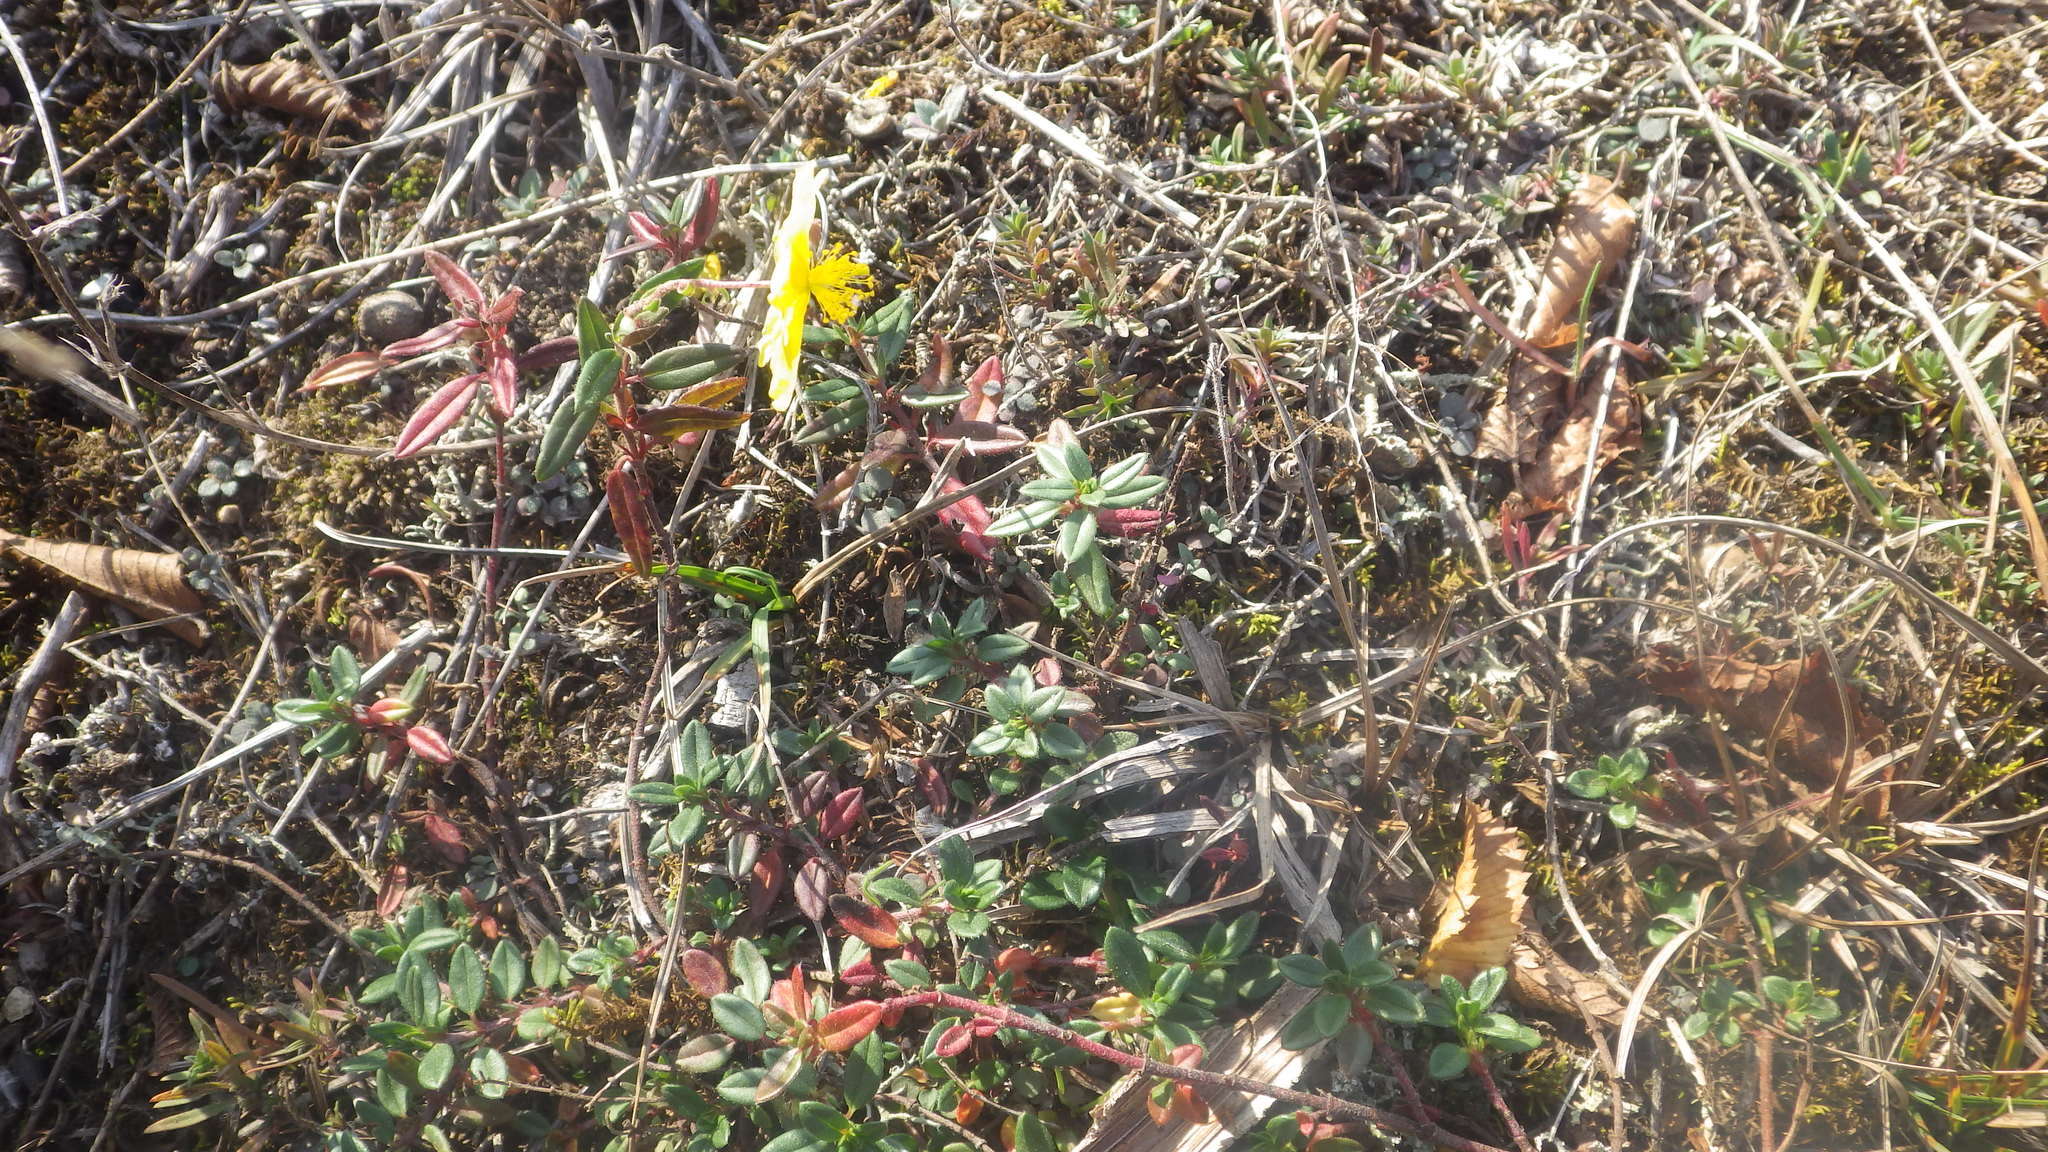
[389, 712]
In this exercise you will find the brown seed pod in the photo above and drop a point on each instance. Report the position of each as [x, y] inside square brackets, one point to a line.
[291, 88]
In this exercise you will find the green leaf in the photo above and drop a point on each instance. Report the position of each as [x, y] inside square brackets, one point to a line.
[393, 1095]
[1081, 880]
[780, 1075]
[1486, 986]
[1090, 574]
[891, 327]
[740, 1019]
[1128, 964]
[1587, 783]
[823, 1121]
[593, 331]
[1077, 534]
[1396, 1003]
[751, 968]
[419, 990]
[301, 711]
[795, 1140]
[547, 963]
[1033, 1135]
[972, 925]
[864, 1071]
[567, 429]
[1303, 969]
[908, 973]
[594, 380]
[466, 979]
[433, 940]
[508, 970]
[1169, 945]
[707, 1053]
[1330, 1012]
[536, 1024]
[436, 1066]
[1622, 813]
[492, 1074]
[348, 675]
[1448, 1061]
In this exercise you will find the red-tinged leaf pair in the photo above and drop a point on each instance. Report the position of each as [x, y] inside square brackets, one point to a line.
[971, 519]
[696, 410]
[479, 320]
[975, 427]
[675, 244]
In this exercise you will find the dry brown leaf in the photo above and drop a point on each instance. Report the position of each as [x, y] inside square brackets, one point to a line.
[1595, 235]
[150, 584]
[1482, 915]
[1556, 471]
[1795, 702]
[291, 88]
[1538, 978]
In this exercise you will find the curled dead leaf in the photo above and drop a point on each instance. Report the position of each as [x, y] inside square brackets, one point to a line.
[1598, 229]
[149, 584]
[1482, 914]
[1797, 703]
[1538, 978]
[291, 88]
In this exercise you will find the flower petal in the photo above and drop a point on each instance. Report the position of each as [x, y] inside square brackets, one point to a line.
[789, 293]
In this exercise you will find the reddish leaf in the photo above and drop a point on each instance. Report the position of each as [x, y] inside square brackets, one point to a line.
[547, 354]
[978, 438]
[953, 1041]
[703, 972]
[791, 995]
[813, 886]
[972, 518]
[434, 418]
[842, 814]
[1019, 960]
[872, 925]
[344, 370]
[629, 516]
[644, 229]
[702, 222]
[861, 973]
[429, 744]
[842, 1028]
[984, 393]
[432, 340]
[445, 837]
[672, 421]
[391, 891]
[771, 876]
[455, 284]
[504, 373]
[504, 308]
[968, 1110]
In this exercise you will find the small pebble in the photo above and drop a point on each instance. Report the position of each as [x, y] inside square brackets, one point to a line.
[390, 316]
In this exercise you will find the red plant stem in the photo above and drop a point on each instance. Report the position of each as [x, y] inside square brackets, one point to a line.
[1500, 1105]
[1400, 1069]
[1202, 1077]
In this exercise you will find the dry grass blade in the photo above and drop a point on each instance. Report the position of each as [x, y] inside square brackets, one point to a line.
[1482, 915]
[1251, 1049]
[150, 584]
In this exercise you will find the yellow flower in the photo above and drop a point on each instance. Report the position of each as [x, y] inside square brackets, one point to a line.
[882, 84]
[1116, 1008]
[837, 281]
